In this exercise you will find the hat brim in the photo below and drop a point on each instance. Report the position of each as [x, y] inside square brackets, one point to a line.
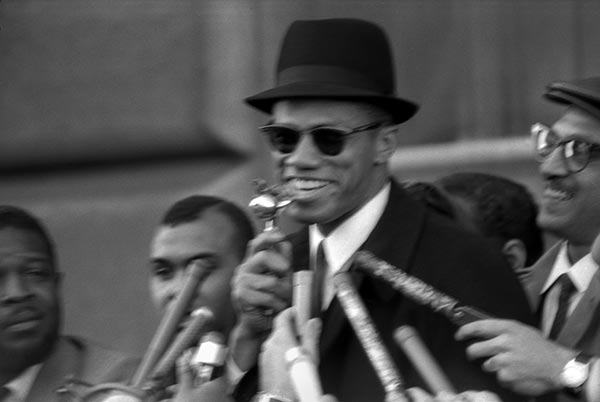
[400, 109]
[567, 94]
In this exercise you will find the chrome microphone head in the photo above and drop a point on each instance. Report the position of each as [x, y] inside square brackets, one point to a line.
[268, 201]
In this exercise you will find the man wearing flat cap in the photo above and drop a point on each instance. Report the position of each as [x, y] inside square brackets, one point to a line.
[562, 356]
[334, 118]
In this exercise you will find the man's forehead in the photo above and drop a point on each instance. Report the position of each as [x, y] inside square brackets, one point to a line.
[318, 111]
[576, 121]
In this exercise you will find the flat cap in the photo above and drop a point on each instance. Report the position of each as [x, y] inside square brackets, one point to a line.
[583, 93]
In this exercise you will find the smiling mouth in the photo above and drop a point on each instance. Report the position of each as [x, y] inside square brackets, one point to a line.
[23, 325]
[557, 194]
[301, 187]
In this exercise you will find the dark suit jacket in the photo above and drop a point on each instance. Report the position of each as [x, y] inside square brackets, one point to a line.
[79, 359]
[433, 248]
[581, 330]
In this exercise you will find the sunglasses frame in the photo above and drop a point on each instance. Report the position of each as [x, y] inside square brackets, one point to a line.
[592, 150]
[343, 135]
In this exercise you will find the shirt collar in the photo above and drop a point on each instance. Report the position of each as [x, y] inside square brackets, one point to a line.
[346, 239]
[21, 385]
[580, 273]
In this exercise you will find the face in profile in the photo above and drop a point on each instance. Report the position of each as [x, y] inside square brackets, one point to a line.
[209, 238]
[569, 203]
[29, 297]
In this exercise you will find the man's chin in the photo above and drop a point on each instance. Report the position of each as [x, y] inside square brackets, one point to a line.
[28, 351]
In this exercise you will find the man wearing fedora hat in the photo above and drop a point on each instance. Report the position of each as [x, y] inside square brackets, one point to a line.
[334, 121]
[564, 287]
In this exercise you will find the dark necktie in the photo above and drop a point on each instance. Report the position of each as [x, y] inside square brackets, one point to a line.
[318, 279]
[566, 291]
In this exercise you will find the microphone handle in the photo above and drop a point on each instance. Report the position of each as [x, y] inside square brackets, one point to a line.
[410, 342]
[209, 359]
[169, 323]
[304, 375]
[417, 290]
[302, 298]
[367, 334]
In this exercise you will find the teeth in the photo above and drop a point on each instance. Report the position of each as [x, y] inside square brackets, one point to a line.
[557, 194]
[307, 185]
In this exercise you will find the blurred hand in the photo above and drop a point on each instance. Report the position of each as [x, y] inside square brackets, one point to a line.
[262, 284]
[418, 395]
[274, 377]
[261, 288]
[186, 390]
[520, 356]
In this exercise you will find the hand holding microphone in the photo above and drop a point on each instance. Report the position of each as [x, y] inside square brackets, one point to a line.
[287, 368]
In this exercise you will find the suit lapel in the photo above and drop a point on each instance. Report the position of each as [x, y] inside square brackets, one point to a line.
[401, 225]
[63, 363]
[539, 274]
[581, 318]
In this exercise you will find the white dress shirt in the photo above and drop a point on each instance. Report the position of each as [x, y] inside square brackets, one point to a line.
[20, 386]
[346, 239]
[580, 273]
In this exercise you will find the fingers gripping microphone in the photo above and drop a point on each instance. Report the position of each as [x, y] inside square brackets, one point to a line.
[209, 359]
[186, 338]
[369, 338]
[413, 347]
[417, 290]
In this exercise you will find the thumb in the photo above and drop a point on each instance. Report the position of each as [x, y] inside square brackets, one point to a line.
[185, 373]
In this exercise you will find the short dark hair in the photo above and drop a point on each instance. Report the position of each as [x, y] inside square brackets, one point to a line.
[19, 218]
[191, 208]
[502, 208]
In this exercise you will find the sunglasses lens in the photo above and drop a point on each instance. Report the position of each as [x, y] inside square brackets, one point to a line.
[282, 139]
[330, 141]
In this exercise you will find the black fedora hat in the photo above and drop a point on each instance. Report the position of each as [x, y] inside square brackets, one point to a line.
[346, 59]
[583, 93]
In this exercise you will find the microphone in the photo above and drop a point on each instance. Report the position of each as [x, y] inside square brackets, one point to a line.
[369, 338]
[169, 323]
[302, 298]
[413, 347]
[209, 359]
[417, 290]
[304, 375]
[198, 321]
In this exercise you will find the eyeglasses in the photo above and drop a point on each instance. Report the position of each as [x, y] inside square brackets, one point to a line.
[329, 140]
[575, 152]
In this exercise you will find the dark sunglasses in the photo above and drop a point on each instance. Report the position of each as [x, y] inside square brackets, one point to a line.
[575, 152]
[329, 140]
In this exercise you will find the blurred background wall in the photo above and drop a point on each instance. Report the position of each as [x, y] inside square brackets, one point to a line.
[110, 110]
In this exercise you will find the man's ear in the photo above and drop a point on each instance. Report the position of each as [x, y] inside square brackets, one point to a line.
[387, 142]
[516, 254]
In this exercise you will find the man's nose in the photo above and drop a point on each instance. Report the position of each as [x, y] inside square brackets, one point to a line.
[554, 164]
[306, 153]
[176, 284]
[14, 288]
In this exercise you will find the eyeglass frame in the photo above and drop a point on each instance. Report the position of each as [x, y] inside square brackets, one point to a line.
[344, 134]
[591, 148]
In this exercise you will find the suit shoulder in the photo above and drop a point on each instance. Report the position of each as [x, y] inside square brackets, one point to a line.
[101, 364]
